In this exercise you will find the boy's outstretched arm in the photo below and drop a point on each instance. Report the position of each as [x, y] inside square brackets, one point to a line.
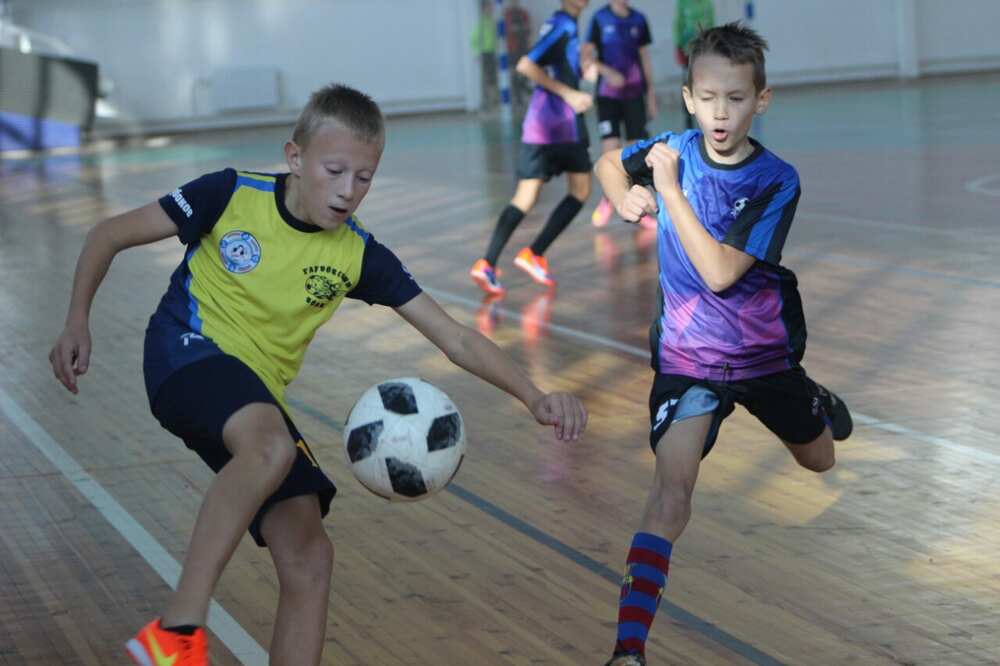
[580, 101]
[70, 356]
[474, 352]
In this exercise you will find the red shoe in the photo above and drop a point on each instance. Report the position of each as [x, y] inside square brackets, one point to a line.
[602, 214]
[485, 276]
[535, 266]
[153, 646]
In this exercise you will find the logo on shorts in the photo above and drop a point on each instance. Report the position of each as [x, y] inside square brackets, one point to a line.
[239, 251]
[604, 127]
[663, 412]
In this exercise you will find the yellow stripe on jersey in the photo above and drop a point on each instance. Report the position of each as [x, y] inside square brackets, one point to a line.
[260, 288]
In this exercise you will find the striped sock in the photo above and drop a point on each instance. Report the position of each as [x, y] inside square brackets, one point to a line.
[643, 584]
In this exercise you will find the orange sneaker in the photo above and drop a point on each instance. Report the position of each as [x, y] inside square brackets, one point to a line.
[486, 277]
[153, 646]
[535, 265]
[602, 214]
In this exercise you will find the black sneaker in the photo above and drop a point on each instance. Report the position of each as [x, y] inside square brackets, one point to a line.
[626, 659]
[836, 410]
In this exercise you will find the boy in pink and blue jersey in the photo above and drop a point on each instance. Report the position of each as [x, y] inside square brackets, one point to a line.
[730, 327]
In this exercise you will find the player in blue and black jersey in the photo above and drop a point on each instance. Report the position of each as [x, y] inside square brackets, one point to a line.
[553, 141]
[269, 259]
[619, 36]
[730, 327]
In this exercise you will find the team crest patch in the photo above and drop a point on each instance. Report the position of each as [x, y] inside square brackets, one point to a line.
[324, 284]
[239, 251]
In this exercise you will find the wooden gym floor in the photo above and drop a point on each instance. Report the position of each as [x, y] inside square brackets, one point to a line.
[890, 558]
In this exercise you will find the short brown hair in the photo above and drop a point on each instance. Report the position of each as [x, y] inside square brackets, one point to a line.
[352, 108]
[737, 42]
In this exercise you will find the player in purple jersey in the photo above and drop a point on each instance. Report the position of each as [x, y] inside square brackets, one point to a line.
[730, 327]
[618, 40]
[553, 141]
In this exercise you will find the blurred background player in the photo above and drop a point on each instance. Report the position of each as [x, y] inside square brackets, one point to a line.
[553, 141]
[484, 44]
[618, 39]
[517, 23]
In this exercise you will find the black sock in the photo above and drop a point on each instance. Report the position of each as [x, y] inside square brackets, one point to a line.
[183, 630]
[558, 220]
[509, 219]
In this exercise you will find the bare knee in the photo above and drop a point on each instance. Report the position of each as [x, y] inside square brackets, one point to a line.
[305, 564]
[526, 195]
[669, 506]
[820, 463]
[272, 454]
[579, 188]
[814, 457]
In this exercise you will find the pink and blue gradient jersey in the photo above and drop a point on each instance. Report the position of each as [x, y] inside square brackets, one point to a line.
[618, 40]
[549, 119]
[756, 326]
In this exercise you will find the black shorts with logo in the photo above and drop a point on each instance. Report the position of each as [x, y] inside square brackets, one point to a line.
[787, 403]
[543, 161]
[195, 401]
[612, 112]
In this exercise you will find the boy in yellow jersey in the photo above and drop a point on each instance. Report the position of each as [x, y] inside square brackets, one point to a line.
[269, 258]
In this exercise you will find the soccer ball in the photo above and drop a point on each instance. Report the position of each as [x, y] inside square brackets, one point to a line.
[404, 439]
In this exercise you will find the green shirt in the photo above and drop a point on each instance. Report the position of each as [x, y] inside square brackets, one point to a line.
[692, 15]
[484, 36]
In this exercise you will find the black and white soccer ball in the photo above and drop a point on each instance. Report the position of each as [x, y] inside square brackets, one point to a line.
[404, 439]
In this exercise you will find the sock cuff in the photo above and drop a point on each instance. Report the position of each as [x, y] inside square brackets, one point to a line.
[570, 201]
[652, 542]
[512, 212]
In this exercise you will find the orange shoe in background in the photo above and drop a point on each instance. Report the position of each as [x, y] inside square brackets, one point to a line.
[535, 265]
[154, 646]
[486, 277]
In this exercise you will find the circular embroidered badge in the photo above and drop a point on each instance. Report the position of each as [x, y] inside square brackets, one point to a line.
[239, 251]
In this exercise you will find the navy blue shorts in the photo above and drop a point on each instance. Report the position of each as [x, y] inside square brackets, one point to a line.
[195, 401]
[612, 113]
[787, 403]
[543, 161]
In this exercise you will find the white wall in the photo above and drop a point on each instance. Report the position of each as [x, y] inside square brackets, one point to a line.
[163, 55]
[960, 35]
[824, 40]
[414, 55]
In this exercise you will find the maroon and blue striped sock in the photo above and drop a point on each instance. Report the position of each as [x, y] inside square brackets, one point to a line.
[645, 578]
